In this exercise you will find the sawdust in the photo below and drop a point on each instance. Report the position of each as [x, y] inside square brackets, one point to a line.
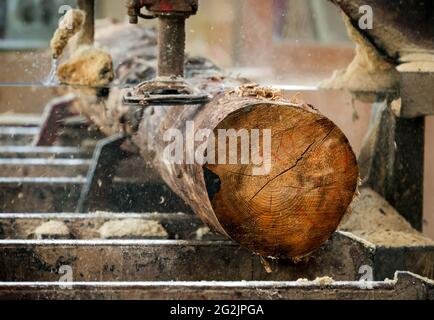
[87, 66]
[301, 259]
[373, 219]
[52, 230]
[254, 90]
[84, 65]
[322, 281]
[133, 229]
[396, 106]
[368, 73]
[201, 233]
[71, 25]
[392, 238]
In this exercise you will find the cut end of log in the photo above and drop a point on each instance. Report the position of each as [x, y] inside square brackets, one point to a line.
[296, 206]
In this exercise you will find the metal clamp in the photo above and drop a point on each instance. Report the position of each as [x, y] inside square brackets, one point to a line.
[160, 7]
[165, 91]
[169, 86]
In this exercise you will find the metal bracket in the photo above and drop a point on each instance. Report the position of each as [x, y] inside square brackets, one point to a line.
[168, 87]
[417, 94]
[165, 91]
[160, 7]
[101, 173]
[391, 161]
[55, 112]
[392, 158]
[416, 69]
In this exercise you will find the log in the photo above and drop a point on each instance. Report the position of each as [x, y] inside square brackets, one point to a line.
[290, 208]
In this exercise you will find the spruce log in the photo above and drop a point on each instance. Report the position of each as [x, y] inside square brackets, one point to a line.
[288, 212]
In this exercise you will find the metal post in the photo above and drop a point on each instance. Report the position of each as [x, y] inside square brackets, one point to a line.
[392, 161]
[88, 6]
[171, 46]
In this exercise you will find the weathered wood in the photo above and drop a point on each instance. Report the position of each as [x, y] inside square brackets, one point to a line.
[286, 212]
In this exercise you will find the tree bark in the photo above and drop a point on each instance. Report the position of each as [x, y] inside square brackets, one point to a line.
[287, 212]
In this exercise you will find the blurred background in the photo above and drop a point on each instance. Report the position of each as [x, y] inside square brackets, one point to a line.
[293, 44]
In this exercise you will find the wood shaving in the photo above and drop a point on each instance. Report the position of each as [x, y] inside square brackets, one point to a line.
[301, 259]
[266, 264]
[202, 232]
[87, 66]
[254, 90]
[71, 24]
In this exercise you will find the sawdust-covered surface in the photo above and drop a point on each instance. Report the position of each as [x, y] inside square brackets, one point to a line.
[373, 219]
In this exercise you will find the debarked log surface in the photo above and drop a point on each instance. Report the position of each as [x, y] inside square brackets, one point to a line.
[294, 173]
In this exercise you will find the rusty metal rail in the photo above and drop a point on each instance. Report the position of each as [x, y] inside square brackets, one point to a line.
[404, 286]
[23, 152]
[170, 260]
[131, 260]
[17, 135]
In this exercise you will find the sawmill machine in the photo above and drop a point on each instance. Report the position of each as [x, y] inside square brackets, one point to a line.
[197, 254]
